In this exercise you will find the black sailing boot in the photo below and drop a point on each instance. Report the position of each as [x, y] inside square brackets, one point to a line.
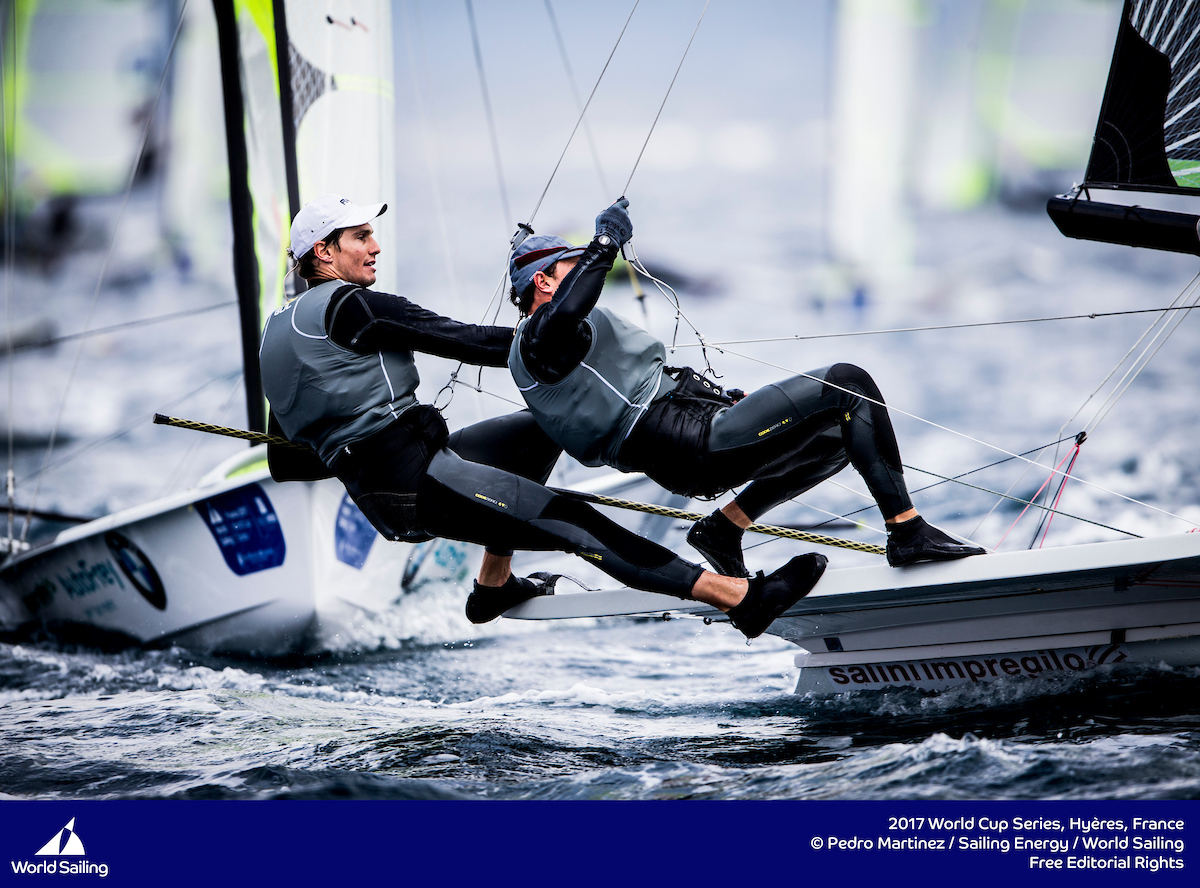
[768, 597]
[719, 540]
[916, 540]
[485, 603]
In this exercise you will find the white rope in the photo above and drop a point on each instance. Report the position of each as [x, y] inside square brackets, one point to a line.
[1170, 312]
[799, 337]
[1169, 324]
[930, 422]
[673, 299]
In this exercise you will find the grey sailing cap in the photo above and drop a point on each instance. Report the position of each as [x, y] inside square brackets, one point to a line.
[535, 254]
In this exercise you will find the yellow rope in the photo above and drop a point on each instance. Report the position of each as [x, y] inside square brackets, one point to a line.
[256, 437]
[666, 511]
[769, 529]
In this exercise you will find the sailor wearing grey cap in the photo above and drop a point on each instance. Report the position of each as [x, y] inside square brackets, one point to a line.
[338, 369]
[598, 385]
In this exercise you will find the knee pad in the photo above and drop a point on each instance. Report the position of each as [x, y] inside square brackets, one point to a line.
[855, 378]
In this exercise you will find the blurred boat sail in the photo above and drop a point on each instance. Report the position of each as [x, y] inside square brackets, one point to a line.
[241, 564]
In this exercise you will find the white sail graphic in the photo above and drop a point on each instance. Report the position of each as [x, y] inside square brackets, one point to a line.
[57, 847]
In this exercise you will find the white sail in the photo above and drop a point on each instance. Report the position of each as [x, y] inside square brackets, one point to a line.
[340, 56]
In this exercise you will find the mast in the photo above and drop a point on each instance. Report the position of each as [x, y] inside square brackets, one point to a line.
[241, 203]
[287, 107]
[293, 283]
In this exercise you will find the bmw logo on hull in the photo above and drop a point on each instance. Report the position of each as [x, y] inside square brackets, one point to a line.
[137, 567]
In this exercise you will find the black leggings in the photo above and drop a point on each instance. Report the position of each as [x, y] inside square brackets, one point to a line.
[445, 495]
[785, 438]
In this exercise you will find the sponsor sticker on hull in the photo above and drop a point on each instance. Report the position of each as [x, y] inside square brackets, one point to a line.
[353, 534]
[246, 528]
[943, 672]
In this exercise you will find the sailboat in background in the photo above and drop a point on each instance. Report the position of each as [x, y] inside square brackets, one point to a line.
[241, 564]
[1148, 135]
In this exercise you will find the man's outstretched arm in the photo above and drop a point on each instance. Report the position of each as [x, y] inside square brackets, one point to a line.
[365, 321]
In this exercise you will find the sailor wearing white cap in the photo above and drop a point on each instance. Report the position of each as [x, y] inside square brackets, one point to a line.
[338, 369]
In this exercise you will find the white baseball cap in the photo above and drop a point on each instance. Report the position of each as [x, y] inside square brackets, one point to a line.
[328, 213]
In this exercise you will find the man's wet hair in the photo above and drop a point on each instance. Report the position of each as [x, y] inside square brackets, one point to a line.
[524, 301]
[308, 262]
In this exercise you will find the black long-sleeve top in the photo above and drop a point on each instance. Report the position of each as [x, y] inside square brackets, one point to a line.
[556, 338]
[365, 321]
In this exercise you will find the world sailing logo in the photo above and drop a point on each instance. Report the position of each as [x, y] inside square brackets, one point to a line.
[65, 844]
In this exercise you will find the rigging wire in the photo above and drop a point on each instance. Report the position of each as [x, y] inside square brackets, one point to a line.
[957, 479]
[176, 476]
[1169, 324]
[527, 227]
[955, 432]
[10, 228]
[127, 325]
[1157, 321]
[487, 105]
[1033, 499]
[234, 375]
[663, 287]
[137, 160]
[1049, 516]
[805, 337]
[625, 190]
[1017, 499]
[587, 130]
[496, 303]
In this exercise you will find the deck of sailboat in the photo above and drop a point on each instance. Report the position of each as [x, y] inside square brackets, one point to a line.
[1101, 594]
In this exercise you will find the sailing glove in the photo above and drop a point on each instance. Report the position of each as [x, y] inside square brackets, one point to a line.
[615, 223]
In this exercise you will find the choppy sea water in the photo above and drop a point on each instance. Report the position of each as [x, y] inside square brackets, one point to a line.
[642, 710]
[645, 709]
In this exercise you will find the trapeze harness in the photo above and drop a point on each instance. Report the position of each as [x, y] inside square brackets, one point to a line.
[338, 369]
[585, 374]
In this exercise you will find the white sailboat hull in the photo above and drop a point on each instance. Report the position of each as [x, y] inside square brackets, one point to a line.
[934, 626]
[241, 565]
[1031, 614]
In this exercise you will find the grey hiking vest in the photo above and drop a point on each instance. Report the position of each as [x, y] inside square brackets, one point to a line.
[591, 410]
[324, 395]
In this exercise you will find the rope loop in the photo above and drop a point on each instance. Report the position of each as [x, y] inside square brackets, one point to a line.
[448, 387]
